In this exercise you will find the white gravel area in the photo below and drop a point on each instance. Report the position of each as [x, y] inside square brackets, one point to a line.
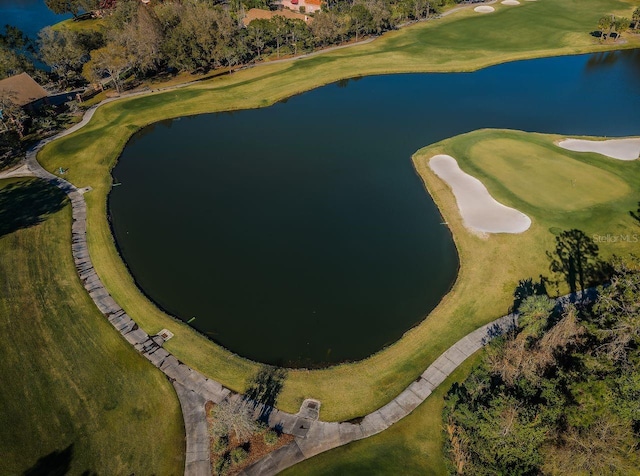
[480, 211]
[484, 9]
[621, 149]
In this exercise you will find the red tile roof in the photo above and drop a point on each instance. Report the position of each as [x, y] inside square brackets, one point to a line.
[257, 13]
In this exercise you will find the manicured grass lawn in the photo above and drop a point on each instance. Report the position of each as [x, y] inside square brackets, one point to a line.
[575, 184]
[81, 25]
[411, 446]
[70, 379]
[491, 267]
[462, 41]
[72, 388]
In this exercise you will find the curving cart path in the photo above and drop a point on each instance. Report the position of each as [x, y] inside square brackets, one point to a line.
[194, 389]
[323, 436]
[312, 436]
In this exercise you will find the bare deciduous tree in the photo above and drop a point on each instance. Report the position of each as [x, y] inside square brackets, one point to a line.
[234, 417]
[113, 60]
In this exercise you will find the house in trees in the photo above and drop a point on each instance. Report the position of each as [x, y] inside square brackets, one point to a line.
[306, 6]
[258, 14]
[22, 90]
[312, 6]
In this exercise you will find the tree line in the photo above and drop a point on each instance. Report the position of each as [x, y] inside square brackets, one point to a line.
[137, 41]
[560, 394]
[610, 24]
[199, 36]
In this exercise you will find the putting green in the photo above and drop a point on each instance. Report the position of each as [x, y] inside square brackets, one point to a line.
[546, 177]
[491, 268]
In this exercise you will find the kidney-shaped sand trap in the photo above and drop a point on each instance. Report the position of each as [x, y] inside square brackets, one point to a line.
[510, 2]
[621, 149]
[479, 210]
[484, 9]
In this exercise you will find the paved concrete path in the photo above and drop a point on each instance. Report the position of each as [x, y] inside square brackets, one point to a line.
[194, 389]
[21, 170]
[323, 436]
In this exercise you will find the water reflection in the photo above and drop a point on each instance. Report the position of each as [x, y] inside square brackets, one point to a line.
[608, 59]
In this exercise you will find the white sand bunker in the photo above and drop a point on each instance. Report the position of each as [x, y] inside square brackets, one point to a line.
[621, 149]
[510, 2]
[484, 9]
[479, 210]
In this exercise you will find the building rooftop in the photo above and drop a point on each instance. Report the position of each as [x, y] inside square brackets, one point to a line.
[22, 89]
[257, 13]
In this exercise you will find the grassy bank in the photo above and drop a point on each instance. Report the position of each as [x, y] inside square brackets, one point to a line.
[411, 446]
[74, 395]
[80, 25]
[463, 41]
[556, 189]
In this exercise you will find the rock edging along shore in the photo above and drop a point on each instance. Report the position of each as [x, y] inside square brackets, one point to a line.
[194, 389]
[324, 436]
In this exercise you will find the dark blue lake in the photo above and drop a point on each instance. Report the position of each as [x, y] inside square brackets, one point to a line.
[300, 234]
[30, 16]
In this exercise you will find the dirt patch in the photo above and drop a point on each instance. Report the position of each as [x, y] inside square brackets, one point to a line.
[222, 462]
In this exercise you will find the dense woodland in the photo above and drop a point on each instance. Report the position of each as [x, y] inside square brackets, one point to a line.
[558, 395]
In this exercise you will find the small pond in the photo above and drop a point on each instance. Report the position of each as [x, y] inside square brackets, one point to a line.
[300, 234]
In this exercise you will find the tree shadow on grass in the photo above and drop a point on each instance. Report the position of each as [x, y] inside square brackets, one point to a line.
[636, 215]
[526, 288]
[265, 387]
[575, 259]
[56, 463]
[25, 204]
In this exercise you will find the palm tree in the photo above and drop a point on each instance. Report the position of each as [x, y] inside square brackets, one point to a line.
[636, 18]
[604, 25]
[621, 25]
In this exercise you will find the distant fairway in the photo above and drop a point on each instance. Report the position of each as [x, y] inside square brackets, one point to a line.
[545, 176]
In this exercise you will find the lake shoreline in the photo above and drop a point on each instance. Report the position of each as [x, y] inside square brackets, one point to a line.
[100, 243]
